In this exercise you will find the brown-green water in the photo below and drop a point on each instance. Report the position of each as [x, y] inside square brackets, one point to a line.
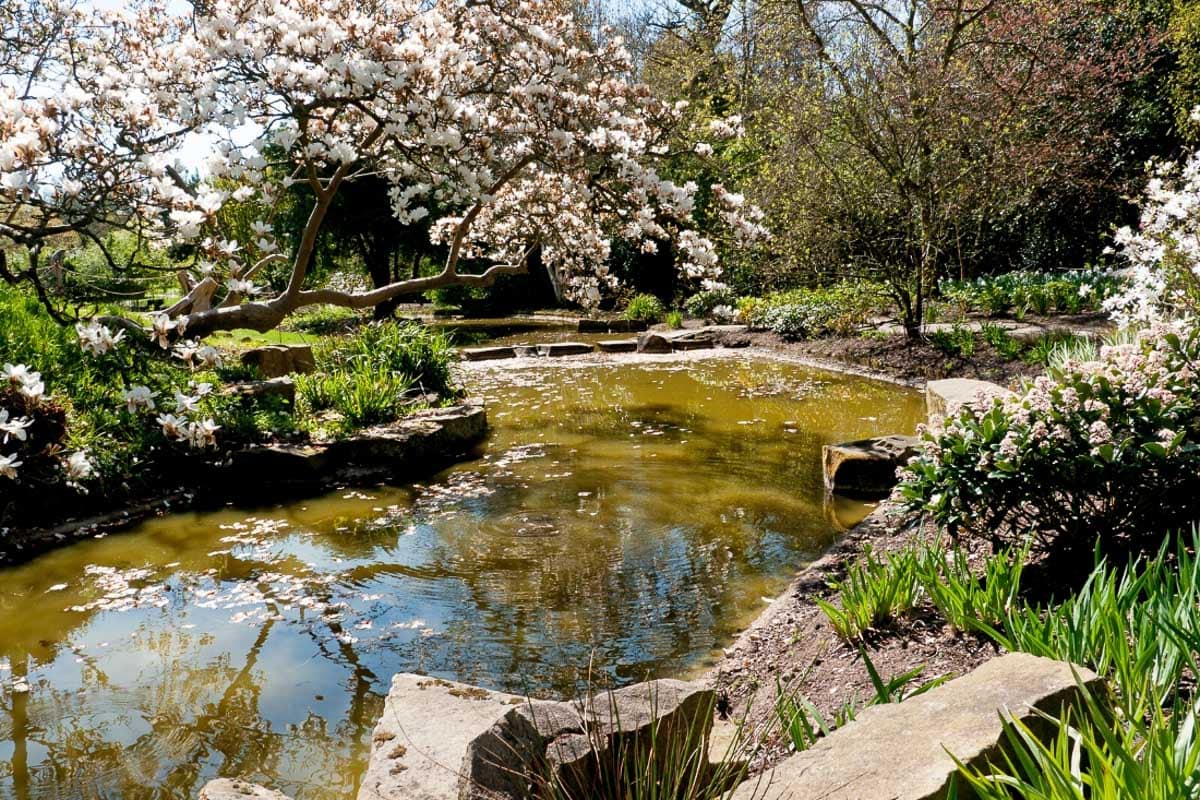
[629, 517]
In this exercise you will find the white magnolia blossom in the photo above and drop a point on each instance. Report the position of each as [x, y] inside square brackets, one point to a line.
[97, 339]
[553, 153]
[8, 466]
[208, 356]
[186, 404]
[138, 398]
[27, 382]
[172, 425]
[14, 427]
[78, 467]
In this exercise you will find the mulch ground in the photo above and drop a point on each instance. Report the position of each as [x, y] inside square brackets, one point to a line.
[916, 360]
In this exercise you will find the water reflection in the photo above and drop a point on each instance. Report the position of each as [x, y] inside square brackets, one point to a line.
[627, 519]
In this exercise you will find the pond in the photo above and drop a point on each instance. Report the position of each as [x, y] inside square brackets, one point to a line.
[623, 521]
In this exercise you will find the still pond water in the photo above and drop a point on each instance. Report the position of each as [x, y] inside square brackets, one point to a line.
[628, 517]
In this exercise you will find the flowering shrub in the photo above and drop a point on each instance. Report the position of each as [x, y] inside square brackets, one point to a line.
[1109, 447]
[1164, 252]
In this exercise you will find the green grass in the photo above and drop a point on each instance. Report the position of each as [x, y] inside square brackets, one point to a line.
[645, 308]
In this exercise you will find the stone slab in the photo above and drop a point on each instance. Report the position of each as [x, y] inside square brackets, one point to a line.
[866, 468]
[593, 326]
[557, 349]
[902, 751]
[627, 326]
[486, 353]
[692, 344]
[945, 397]
[283, 387]
[418, 746]
[618, 345]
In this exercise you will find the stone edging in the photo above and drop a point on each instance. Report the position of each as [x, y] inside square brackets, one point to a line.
[413, 447]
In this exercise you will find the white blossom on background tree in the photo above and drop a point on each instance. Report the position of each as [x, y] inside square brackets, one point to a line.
[524, 132]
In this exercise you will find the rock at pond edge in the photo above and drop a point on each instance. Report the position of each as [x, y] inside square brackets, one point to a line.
[233, 789]
[866, 468]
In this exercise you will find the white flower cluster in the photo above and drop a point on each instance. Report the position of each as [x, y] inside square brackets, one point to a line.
[186, 424]
[97, 339]
[77, 466]
[1164, 252]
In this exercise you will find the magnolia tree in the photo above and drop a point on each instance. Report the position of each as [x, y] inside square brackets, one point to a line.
[82, 148]
[523, 131]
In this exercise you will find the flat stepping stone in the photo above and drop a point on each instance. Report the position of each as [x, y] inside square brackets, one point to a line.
[946, 397]
[557, 349]
[227, 789]
[902, 751]
[618, 346]
[487, 353]
[692, 344]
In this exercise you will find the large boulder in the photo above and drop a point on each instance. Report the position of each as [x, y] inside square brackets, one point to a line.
[867, 468]
[907, 751]
[277, 360]
[944, 398]
[652, 342]
[579, 744]
[440, 740]
[418, 746]
[227, 789]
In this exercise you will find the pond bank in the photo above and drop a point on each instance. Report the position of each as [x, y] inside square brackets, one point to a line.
[792, 645]
[414, 447]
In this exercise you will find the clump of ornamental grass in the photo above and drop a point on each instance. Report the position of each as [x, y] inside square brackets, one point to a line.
[371, 376]
[1109, 445]
[1137, 626]
[645, 308]
[876, 590]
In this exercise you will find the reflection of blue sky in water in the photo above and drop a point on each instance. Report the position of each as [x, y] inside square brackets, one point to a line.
[631, 518]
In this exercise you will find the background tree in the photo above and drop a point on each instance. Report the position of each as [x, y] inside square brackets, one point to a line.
[918, 125]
